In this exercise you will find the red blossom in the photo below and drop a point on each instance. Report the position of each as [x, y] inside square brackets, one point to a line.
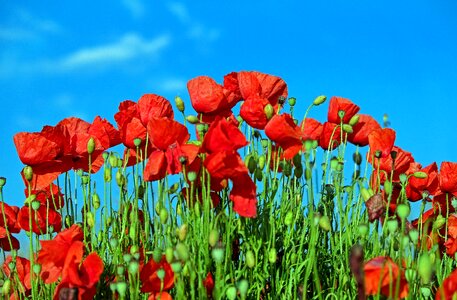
[311, 129]
[381, 141]
[338, 104]
[7, 241]
[44, 220]
[330, 137]
[448, 177]
[21, 272]
[223, 135]
[380, 273]
[448, 288]
[284, 132]
[418, 186]
[208, 283]
[150, 282]
[362, 129]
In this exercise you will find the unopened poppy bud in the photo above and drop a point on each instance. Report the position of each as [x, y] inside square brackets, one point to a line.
[250, 259]
[120, 270]
[269, 111]
[392, 226]
[251, 163]
[439, 222]
[410, 275]
[107, 175]
[218, 254]
[289, 218]
[264, 143]
[105, 156]
[96, 201]
[298, 172]
[348, 128]
[319, 100]
[192, 119]
[182, 232]
[113, 160]
[243, 286]
[287, 169]
[388, 187]
[231, 293]
[425, 268]
[121, 288]
[213, 237]
[157, 255]
[354, 120]
[163, 215]
[90, 219]
[68, 221]
[419, 174]
[281, 100]
[6, 288]
[36, 205]
[292, 101]
[134, 250]
[414, 236]
[119, 163]
[36, 268]
[85, 179]
[272, 255]
[120, 178]
[357, 158]
[127, 257]
[258, 174]
[341, 114]
[133, 267]
[2, 182]
[324, 223]
[201, 128]
[191, 176]
[261, 162]
[28, 173]
[176, 267]
[363, 229]
[179, 103]
[365, 194]
[333, 163]
[169, 254]
[403, 210]
[90, 145]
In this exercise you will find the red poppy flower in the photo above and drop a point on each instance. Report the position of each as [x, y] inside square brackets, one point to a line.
[330, 137]
[10, 214]
[223, 135]
[49, 196]
[22, 273]
[448, 288]
[170, 151]
[150, 282]
[311, 130]
[7, 241]
[258, 90]
[224, 165]
[448, 177]
[401, 164]
[34, 148]
[80, 274]
[284, 132]
[208, 283]
[154, 106]
[381, 274]
[53, 253]
[418, 186]
[338, 104]
[362, 129]
[381, 140]
[41, 219]
[160, 296]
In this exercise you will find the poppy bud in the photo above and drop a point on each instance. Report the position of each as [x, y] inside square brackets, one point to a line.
[439, 222]
[105, 156]
[363, 229]
[392, 226]
[324, 223]
[333, 163]
[90, 219]
[169, 255]
[179, 103]
[365, 194]
[133, 267]
[134, 250]
[85, 179]
[347, 128]
[292, 101]
[269, 111]
[213, 237]
[354, 120]
[107, 175]
[425, 268]
[218, 255]
[410, 275]
[96, 201]
[120, 178]
[298, 172]
[127, 257]
[36, 205]
[251, 163]
[289, 218]
[192, 119]
[264, 143]
[243, 286]
[250, 259]
[420, 175]
[182, 232]
[2, 182]
[319, 100]
[191, 176]
[357, 158]
[287, 170]
[272, 255]
[414, 236]
[157, 255]
[36, 268]
[176, 267]
[163, 215]
[403, 210]
[261, 162]
[90, 145]
[231, 293]
[388, 187]
[121, 288]
[6, 287]
[68, 221]
[258, 174]
[201, 129]
[28, 173]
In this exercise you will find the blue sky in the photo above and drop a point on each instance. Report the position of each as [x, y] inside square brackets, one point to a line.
[82, 58]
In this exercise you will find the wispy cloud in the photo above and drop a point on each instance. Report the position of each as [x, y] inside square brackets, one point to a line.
[195, 30]
[135, 7]
[27, 27]
[126, 48]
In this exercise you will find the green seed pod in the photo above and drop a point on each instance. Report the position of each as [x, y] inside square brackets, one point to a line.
[392, 226]
[157, 255]
[414, 236]
[421, 175]
[218, 254]
[363, 230]
[347, 128]
[324, 223]
[243, 286]
[2, 182]
[169, 254]
[133, 267]
[107, 174]
[28, 173]
[252, 164]
[36, 205]
[90, 219]
[213, 237]
[269, 111]
[176, 267]
[95, 201]
[357, 158]
[264, 143]
[192, 119]
[261, 162]
[292, 101]
[90, 145]
[439, 222]
[403, 178]
[425, 268]
[120, 179]
[179, 103]
[36, 269]
[121, 288]
[333, 163]
[272, 255]
[120, 270]
[163, 215]
[85, 179]
[68, 221]
[250, 259]
[231, 293]
[289, 218]
[319, 100]
[182, 232]
[258, 174]
[403, 210]
[354, 120]
[134, 250]
[6, 288]
[127, 257]
[191, 176]
[341, 114]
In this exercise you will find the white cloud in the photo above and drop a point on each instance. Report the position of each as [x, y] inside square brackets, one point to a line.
[172, 85]
[28, 27]
[199, 32]
[180, 11]
[38, 24]
[126, 48]
[135, 7]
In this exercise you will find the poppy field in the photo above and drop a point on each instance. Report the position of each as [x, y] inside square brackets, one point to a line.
[243, 199]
